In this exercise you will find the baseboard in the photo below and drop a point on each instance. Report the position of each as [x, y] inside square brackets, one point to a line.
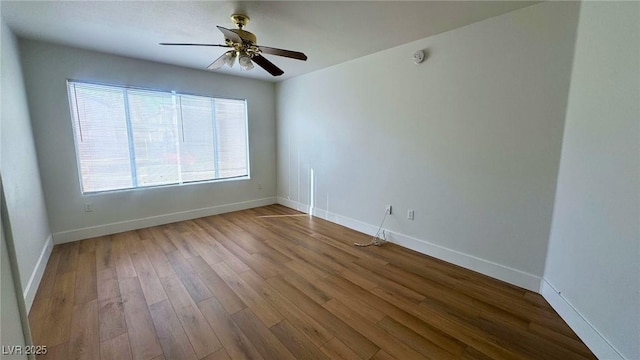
[293, 205]
[117, 227]
[353, 224]
[36, 275]
[483, 266]
[467, 261]
[597, 343]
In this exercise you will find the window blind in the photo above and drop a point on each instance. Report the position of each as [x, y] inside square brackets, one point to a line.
[128, 138]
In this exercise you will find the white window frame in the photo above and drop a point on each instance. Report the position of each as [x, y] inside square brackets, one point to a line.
[176, 96]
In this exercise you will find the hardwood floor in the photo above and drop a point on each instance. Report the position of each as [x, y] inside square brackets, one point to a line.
[262, 284]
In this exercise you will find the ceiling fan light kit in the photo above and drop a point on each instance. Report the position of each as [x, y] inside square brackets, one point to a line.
[244, 47]
[245, 61]
[230, 58]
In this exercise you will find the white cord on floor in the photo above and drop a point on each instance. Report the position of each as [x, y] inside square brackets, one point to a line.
[377, 240]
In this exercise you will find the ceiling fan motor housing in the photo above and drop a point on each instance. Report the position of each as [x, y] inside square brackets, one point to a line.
[241, 21]
[245, 35]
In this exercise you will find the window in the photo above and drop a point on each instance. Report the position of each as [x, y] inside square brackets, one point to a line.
[129, 138]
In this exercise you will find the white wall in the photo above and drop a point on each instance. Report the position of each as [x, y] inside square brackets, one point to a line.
[11, 333]
[594, 249]
[470, 139]
[20, 175]
[48, 66]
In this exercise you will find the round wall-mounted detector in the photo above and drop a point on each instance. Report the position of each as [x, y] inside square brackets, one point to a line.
[418, 56]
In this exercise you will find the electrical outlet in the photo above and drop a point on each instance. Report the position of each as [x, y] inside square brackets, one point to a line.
[411, 214]
[259, 186]
[88, 207]
[389, 209]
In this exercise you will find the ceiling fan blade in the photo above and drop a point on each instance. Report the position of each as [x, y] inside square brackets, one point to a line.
[190, 44]
[218, 63]
[267, 65]
[281, 52]
[230, 35]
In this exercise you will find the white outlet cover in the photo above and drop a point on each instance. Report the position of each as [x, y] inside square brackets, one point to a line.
[418, 56]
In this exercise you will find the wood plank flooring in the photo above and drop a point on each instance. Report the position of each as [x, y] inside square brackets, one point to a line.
[261, 284]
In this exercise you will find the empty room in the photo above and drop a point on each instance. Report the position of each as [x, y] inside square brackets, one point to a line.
[320, 180]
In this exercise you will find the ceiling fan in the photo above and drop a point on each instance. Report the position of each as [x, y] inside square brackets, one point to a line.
[244, 48]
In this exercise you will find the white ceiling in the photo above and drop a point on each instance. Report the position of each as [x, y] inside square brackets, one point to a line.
[329, 32]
